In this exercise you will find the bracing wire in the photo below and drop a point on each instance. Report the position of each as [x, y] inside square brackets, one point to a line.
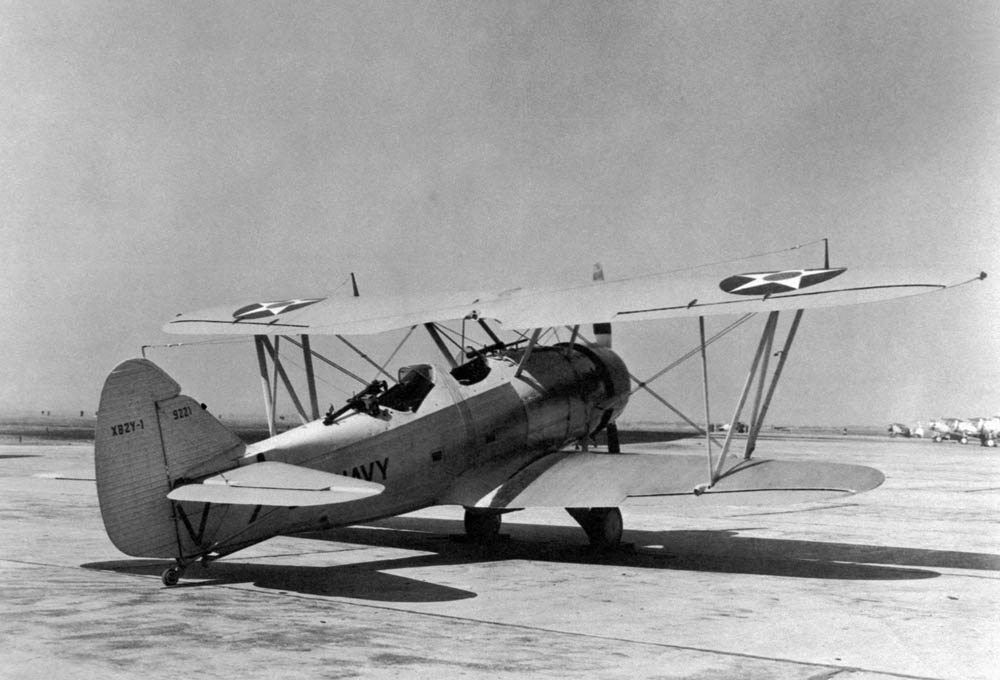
[753, 256]
[449, 334]
[286, 359]
[196, 343]
[725, 331]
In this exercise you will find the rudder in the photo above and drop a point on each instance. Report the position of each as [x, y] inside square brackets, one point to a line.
[148, 434]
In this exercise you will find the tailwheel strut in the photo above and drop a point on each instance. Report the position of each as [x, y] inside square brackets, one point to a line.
[172, 575]
[603, 526]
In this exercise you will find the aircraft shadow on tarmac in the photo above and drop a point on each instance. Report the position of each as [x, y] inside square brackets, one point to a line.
[442, 543]
[357, 581]
[723, 551]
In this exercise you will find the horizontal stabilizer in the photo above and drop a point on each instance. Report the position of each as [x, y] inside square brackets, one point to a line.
[605, 480]
[276, 484]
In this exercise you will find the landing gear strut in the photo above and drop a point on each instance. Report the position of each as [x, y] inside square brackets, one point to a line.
[602, 525]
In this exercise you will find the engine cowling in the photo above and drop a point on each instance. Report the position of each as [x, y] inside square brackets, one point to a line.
[571, 392]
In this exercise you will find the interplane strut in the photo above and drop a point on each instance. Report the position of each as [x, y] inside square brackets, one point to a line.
[757, 376]
[758, 371]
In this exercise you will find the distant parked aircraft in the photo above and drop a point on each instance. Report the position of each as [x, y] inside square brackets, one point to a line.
[957, 429]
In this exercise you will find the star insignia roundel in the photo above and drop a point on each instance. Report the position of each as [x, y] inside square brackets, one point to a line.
[263, 310]
[774, 283]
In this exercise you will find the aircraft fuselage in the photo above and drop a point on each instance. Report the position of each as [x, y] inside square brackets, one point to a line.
[421, 437]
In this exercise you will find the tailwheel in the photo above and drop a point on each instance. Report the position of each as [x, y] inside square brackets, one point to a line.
[172, 575]
[602, 525]
[482, 526]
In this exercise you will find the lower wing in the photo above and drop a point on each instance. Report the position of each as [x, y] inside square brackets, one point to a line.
[569, 479]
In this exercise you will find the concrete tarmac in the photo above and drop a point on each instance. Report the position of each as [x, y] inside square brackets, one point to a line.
[900, 582]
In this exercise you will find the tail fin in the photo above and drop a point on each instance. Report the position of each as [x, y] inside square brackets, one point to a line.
[148, 434]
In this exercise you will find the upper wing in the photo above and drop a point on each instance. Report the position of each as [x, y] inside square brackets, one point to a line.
[698, 292]
[276, 484]
[571, 480]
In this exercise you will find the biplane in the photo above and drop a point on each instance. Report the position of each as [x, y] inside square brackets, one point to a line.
[495, 426]
[962, 430]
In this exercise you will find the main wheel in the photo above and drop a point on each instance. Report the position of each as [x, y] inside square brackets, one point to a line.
[603, 526]
[482, 526]
[607, 529]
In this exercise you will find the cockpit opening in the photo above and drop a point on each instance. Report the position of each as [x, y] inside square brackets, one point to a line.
[415, 382]
[472, 371]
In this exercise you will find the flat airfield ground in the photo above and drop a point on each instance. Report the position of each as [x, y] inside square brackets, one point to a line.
[900, 582]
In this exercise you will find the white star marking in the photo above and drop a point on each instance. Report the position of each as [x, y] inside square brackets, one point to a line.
[277, 308]
[791, 279]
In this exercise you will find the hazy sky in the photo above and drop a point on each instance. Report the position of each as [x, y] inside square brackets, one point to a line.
[163, 157]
